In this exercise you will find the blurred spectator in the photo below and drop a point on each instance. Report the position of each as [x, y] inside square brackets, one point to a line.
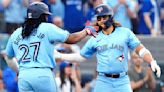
[58, 21]
[3, 41]
[30, 1]
[10, 80]
[162, 16]
[162, 86]
[68, 78]
[88, 82]
[124, 10]
[55, 9]
[49, 3]
[93, 82]
[85, 82]
[141, 77]
[0, 73]
[90, 12]
[149, 22]
[134, 20]
[2, 86]
[14, 14]
[74, 17]
[2, 23]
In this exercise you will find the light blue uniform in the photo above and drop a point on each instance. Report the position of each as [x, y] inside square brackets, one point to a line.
[35, 57]
[112, 58]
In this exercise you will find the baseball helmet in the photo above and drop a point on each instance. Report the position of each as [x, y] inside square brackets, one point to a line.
[36, 9]
[103, 9]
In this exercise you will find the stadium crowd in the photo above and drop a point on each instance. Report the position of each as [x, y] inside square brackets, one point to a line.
[143, 17]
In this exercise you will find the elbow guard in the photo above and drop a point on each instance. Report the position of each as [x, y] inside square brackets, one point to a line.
[143, 51]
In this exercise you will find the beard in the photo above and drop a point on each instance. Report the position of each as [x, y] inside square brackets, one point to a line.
[103, 26]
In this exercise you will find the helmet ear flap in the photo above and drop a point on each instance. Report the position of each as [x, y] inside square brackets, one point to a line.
[109, 22]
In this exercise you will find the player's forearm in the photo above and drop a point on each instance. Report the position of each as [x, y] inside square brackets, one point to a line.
[147, 56]
[73, 57]
[12, 62]
[76, 37]
[69, 57]
[144, 54]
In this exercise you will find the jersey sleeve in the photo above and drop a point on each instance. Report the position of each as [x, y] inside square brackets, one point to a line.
[133, 41]
[57, 34]
[9, 48]
[88, 50]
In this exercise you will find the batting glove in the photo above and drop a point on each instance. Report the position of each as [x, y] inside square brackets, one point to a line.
[155, 67]
[90, 30]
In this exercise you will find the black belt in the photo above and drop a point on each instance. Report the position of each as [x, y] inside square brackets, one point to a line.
[44, 67]
[112, 75]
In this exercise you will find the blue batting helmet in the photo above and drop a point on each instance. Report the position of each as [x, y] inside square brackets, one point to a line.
[103, 9]
[36, 9]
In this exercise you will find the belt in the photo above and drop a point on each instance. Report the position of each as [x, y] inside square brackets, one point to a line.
[113, 75]
[44, 67]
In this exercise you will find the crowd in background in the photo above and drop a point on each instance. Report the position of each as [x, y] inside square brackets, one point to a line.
[145, 17]
[142, 16]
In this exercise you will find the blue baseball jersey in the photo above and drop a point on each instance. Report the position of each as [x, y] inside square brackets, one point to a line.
[111, 50]
[37, 49]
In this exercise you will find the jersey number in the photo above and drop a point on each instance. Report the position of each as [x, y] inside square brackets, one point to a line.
[34, 45]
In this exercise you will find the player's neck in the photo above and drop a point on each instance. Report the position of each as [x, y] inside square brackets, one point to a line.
[108, 30]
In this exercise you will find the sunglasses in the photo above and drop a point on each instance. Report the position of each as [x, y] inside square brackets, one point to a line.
[104, 17]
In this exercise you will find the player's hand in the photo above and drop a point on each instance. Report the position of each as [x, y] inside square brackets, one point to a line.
[91, 29]
[155, 67]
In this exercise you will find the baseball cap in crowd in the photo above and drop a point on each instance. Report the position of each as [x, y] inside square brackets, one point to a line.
[64, 64]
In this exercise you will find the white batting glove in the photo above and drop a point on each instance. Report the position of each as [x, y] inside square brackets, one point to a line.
[155, 67]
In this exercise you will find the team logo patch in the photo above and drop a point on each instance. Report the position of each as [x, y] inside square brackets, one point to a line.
[100, 9]
[121, 58]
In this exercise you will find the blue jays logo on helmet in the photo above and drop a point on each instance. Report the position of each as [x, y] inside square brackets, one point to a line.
[103, 9]
[100, 9]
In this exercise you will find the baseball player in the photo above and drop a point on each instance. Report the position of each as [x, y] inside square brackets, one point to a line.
[33, 46]
[111, 47]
